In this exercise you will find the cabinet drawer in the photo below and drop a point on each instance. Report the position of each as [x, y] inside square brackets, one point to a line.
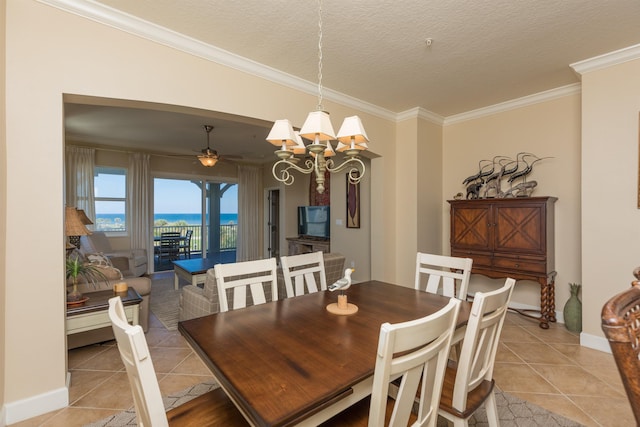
[520, 264]
[479, 259]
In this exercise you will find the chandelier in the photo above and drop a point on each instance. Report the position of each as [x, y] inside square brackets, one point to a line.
[318, 129]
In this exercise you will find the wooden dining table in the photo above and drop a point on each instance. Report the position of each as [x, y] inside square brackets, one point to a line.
[292, 362]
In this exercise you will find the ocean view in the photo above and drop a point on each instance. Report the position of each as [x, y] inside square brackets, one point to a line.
[190, 219]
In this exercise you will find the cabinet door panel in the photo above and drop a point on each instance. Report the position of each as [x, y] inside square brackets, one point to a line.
[519, 229]
[470, 228]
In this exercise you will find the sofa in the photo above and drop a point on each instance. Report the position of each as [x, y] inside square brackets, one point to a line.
[132, 263]
[112, 275]
[198, 301]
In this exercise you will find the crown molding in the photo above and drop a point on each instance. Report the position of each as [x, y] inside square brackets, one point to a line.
[420, 113]
[122, 21]
[607, 60]
[515, 103]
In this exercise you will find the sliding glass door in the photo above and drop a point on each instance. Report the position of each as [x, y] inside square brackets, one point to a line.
[179, 205]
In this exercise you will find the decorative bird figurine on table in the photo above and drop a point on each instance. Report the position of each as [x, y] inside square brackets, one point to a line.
[342, 306]
[344, 283]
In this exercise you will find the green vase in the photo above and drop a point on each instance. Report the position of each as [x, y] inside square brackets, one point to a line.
[573, 310]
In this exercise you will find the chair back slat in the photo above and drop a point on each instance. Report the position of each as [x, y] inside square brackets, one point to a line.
[480, 342]
[621, 326]
[416, 352]
[137, 361]
[446, 275]
[241, 277]
[300, 272]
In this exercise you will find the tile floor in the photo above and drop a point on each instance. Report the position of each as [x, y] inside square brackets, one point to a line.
[545, 367]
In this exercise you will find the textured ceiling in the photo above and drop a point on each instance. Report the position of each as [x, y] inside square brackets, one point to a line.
[483, 53]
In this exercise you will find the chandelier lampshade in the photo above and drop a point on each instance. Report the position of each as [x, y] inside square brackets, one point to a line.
[318, 127]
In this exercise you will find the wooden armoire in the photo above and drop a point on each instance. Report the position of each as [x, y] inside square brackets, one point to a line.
[511, 237]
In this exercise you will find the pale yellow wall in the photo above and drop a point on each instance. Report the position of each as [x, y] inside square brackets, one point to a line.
[430, 199]
[406, 202]
[547, 129]
[70, 54]
[610, 215]
[353, 243]
[3, 205]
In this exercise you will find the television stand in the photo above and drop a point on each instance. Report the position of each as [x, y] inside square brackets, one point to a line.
[304, 245]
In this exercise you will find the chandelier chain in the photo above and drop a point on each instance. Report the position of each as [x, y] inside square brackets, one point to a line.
[320, 108]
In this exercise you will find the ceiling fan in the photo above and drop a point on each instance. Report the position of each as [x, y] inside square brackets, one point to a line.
[209, 157]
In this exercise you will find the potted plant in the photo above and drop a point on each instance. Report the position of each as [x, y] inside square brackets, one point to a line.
[77, 268]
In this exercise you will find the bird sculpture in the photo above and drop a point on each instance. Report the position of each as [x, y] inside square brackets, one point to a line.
[344, 283]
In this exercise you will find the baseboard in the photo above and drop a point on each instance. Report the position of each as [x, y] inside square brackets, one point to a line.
[595, 342]
[21, 410]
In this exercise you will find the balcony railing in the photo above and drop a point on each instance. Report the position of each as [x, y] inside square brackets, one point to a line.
[228, 236]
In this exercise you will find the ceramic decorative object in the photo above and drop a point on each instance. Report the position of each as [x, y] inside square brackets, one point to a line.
[573, 309]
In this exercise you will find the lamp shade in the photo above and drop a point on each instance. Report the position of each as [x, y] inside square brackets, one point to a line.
[282, 134]
[318, 127]
[299, 148]
[342, 147]
[83, 217]
[73, 225]
[352, 129]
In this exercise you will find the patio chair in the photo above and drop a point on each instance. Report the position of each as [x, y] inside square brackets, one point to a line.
[212, 408]
[257, 277]
[302, 272]
[169, 246]
[621, 326]
[185, 245]
[414, 352]
[468, 383]
[442, 273]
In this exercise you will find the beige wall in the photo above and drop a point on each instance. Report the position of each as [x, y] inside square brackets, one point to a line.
[401, 183]
[3, 206]
[102, 62]
[610, 215]
[547, 129]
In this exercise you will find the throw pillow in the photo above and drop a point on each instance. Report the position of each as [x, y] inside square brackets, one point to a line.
[110, 273]
[99, 259]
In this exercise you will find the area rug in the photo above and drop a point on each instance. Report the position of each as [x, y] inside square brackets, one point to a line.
[165, 301]
[513, 412]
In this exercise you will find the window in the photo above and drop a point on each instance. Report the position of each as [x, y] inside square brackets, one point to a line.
[110, 188]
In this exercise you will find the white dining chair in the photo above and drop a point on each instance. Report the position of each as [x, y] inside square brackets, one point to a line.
[300, 273]
[469, 382]
[441, 273]
[415, 354]
[258, 277]
[211, 408]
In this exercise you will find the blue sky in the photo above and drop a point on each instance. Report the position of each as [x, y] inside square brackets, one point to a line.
[171, 195]
[178, 196]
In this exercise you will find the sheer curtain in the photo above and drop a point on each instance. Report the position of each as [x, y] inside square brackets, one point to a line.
[249, 188]
[139, 200]
[79, 166]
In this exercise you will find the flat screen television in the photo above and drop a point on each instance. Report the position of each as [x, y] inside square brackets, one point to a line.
[314, 221]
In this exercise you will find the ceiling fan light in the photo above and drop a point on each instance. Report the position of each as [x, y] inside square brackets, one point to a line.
[208, 160]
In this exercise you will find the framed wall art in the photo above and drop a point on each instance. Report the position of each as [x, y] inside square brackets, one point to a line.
[353, 204]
